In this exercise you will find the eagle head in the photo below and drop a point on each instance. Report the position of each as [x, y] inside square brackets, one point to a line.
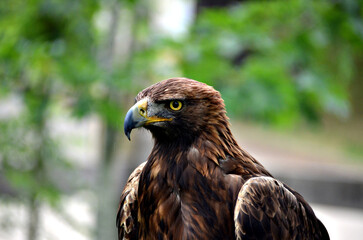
[176, 109]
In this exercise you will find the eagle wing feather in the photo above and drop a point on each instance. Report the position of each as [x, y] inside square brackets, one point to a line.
[268, 209]
[126, 219]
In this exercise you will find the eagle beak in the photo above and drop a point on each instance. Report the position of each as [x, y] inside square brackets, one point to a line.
[137, 116]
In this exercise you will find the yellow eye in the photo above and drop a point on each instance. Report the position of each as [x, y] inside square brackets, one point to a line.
[176, 105]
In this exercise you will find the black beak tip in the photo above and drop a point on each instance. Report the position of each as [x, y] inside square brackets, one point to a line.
[128, 135]
[129, 124]
[127, 129]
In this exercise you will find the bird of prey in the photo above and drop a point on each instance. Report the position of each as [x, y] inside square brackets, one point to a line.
[198, 183]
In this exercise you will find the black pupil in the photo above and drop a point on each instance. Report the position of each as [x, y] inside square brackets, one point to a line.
[175, 104]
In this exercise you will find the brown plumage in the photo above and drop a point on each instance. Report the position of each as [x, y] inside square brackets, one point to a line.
[197, 182]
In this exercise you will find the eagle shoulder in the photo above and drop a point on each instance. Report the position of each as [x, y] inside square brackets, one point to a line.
[126, 220]
[268, 209]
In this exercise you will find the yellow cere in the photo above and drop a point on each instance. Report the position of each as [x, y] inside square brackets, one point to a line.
[142, 106]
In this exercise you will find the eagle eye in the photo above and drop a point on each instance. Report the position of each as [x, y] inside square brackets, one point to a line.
[175, 105]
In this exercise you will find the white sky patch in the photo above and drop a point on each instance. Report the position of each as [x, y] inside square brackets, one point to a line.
[172, 18]
[10, 107]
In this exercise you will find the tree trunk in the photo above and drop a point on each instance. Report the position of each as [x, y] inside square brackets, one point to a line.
[33, 220]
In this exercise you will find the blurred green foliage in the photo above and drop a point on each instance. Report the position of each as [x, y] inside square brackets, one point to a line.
[53, 54]
[46, 55]
[278, 61]
[39, 41]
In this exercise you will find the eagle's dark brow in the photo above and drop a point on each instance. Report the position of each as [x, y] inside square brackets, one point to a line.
[180, 99]
[168, 100]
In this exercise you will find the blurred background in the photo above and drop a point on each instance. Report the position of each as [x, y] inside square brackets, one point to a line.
[290, 73]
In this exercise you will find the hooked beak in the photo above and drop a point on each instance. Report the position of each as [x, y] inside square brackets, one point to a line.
[137, 116]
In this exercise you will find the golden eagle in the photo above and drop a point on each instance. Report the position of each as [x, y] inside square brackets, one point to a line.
[197, 182]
